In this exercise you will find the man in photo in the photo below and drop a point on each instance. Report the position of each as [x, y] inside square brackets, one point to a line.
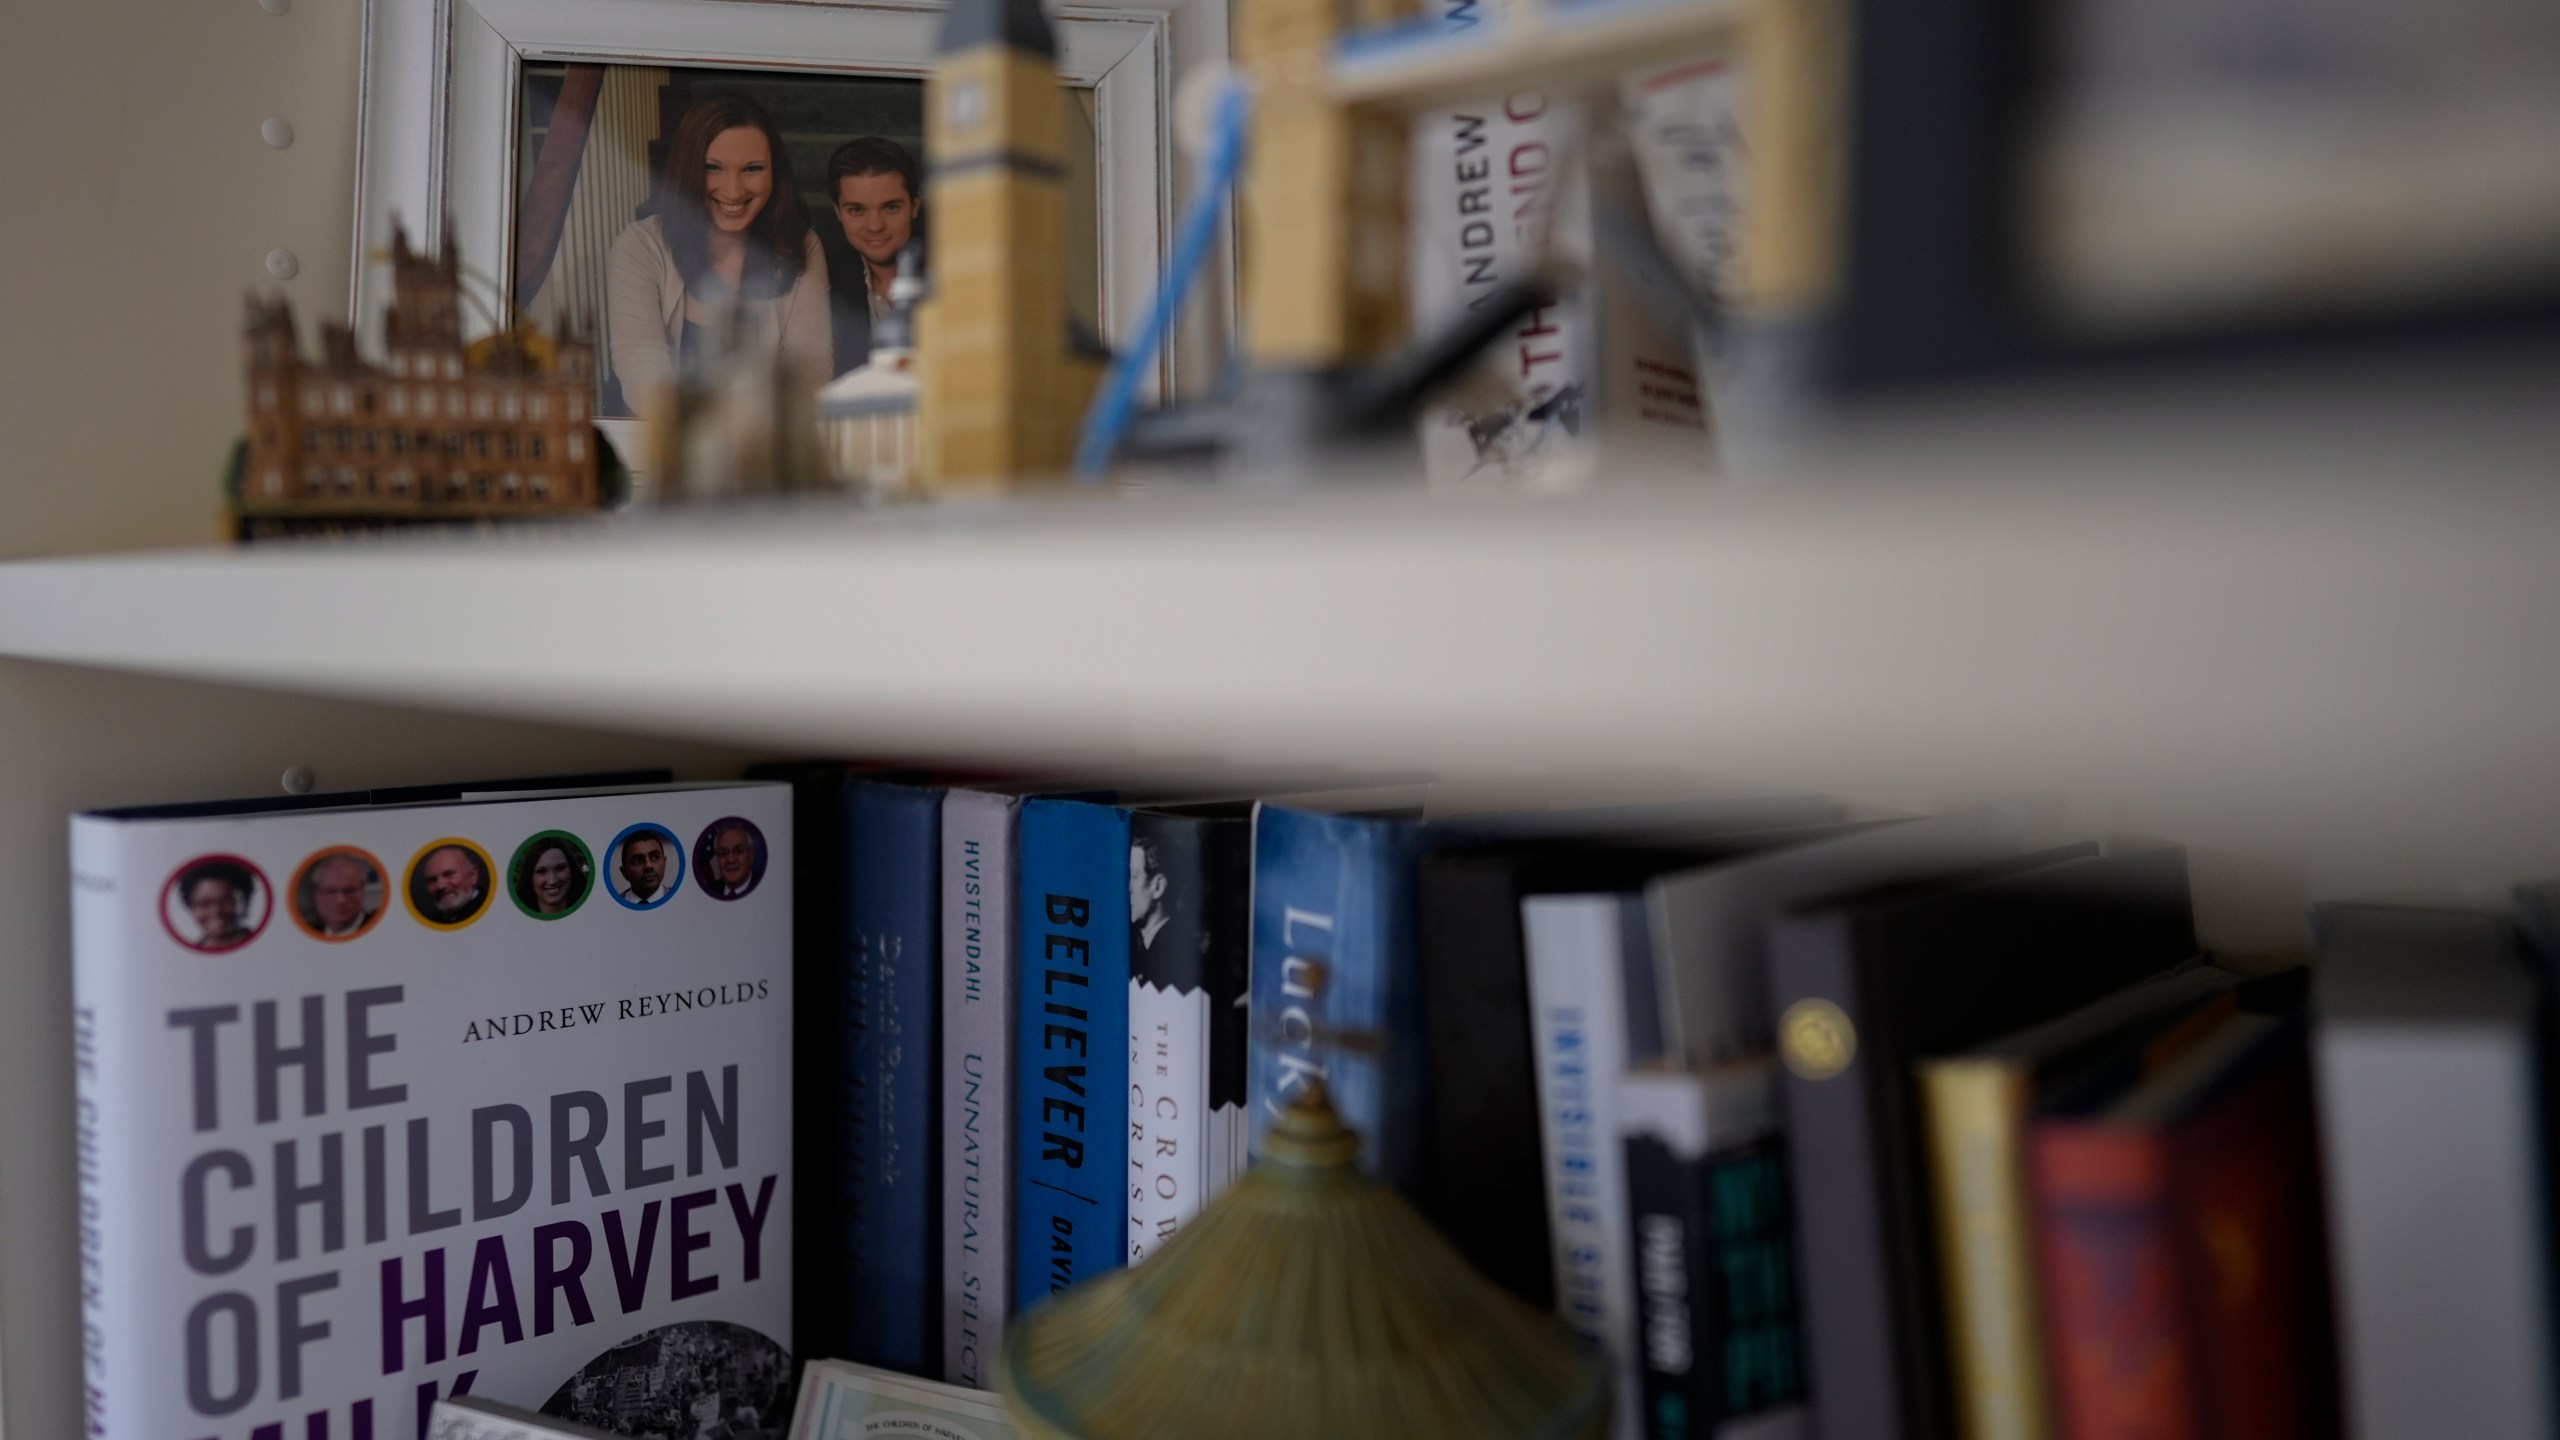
[644, 869]
[1147, 913]
[334, 906]
[217, 895]
[876, 189]
[450, 885]
[732, 871]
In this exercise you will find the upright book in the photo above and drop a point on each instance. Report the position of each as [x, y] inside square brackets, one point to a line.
[1190, 924]
[1071, 1124]
[893, 909]
[381, 1105]
[1865, 986]
[1977, 1105]
[2430, 1084]
[1337, 978]
[1719, 1347]
[2179, 1239]
[978, 1000]
[1582, 950]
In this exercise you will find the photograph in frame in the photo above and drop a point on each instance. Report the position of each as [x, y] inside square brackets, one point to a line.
[648, 195]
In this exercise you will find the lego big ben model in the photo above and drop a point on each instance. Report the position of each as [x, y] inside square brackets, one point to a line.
[1001, 385]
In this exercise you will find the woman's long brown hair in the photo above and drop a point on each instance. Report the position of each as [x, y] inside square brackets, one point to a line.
[777, 238]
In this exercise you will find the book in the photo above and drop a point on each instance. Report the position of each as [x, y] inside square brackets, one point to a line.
[1488, 206]
[893, 902]
[1190, 929]
[1071, 931]
[1863, 987]
[1977, 1105]
[1337, 982]
[1606, 999]
[979, 967]
[2178, 1240]
[1719, 1349]
[1580, 947]
[843, 1401]
[356, 1138]
[817, 1046]
[2429, 1075]
[1488, 1190]
[1709, 923]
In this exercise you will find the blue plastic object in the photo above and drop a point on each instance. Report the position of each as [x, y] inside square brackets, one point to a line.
[1109, 417]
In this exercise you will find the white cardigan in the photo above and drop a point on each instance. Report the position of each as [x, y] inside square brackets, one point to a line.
[644, 315]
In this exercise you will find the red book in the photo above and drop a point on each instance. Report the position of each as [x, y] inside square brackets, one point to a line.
[2179, 1234]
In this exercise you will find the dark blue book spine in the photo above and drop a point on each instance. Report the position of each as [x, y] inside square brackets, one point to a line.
[1072, 1051]
[1337, 979]
[893, 900]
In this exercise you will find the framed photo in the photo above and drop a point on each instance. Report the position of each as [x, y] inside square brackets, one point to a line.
[462, 100]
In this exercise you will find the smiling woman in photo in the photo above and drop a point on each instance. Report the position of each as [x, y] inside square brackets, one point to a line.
[729, 228]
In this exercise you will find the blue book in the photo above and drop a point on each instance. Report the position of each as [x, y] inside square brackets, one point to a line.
[1071, 1124]
[893, 907]
[1337, 978]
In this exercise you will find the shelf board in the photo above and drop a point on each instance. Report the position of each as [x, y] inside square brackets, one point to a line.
[2241, 636]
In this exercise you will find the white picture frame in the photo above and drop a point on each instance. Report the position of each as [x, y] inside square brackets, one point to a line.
[442, 80]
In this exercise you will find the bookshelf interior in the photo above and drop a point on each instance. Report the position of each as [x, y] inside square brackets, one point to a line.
[2297, 621]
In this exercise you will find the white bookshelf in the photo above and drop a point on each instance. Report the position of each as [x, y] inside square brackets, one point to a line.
[2306, 622]
[2361, 686]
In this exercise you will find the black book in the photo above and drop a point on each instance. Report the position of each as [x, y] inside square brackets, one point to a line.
[1713, 1236]
[817, 1050]
[1190, 951]
[1487, 1190]
[1863, 987]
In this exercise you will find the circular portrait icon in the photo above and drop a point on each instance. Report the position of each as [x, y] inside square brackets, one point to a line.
[339, 893]
[645, 866]
[449, 883]
[216, 902]
[728, 861]
[551, 875]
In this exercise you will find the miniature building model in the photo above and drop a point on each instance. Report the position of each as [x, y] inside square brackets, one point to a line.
[438, 432]
[1001, 387]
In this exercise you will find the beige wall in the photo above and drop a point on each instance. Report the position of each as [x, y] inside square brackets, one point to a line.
[137, 202]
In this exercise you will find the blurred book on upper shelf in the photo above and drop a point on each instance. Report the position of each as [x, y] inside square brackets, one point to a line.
[2219, 162]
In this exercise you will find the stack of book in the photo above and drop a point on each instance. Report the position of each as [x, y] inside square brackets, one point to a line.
[1882, 1128]
[1810, 1124]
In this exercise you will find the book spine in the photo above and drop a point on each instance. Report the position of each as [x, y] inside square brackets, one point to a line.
[1168, 1032]
[1976, 1113]
[2124, 1366]
[1334, 954]
[2251, 1233]
[1832, 1119]
[1578, 1022]
[1072, 1116]
[892, 924]
[817, 1047]
[1715, 1272]
[106, 1184]
[1186, 880]
[977, 1082]
[1227, 971]
[1489, 1198]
